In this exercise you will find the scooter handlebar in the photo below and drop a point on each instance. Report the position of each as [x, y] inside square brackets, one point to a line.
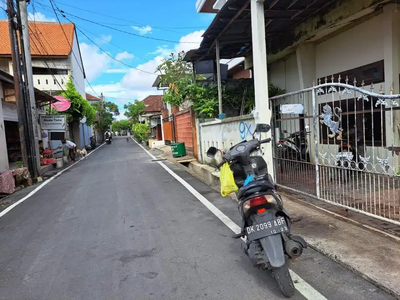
[265, 141]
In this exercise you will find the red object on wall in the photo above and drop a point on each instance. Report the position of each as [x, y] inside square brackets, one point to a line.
[61, 105]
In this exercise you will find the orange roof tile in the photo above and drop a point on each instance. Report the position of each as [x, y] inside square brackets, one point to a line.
[153, 103]
[46, 38]
[92, 98]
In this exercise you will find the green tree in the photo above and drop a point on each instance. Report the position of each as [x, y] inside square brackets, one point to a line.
[177, 74]
[105, 115]
[80, 107]
[133, 110]
[122, 125]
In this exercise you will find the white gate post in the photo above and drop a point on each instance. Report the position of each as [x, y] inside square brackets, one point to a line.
[315, 129]
[262, 112]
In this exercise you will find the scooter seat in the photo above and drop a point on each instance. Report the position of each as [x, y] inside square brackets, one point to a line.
[256, 186]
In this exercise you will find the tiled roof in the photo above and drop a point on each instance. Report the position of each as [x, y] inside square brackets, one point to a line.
[153, 103]
[92, 98]
[46, 38]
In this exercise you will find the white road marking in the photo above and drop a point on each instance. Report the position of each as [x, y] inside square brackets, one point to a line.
[11, 207]
[302, 286]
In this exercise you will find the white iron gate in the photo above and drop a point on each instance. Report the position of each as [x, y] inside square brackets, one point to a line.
[340, 143]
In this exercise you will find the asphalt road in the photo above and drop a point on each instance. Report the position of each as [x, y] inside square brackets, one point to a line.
[119, 226]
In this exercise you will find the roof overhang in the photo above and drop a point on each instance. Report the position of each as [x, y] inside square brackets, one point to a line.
[41, 98]
[205, 6]
[287, 23]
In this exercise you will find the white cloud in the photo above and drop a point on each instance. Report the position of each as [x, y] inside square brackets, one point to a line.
[104, 39]
[136, 84]
[39, 17]
[94, 61]
[124, 56]
[117, 71]
[143, 29]
[186, 43]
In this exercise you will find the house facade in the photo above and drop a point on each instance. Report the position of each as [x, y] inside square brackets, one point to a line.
[152, 115]
[10, 140]
[55, 58]
[338, 62]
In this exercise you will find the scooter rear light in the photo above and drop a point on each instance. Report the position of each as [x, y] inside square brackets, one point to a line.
[261, 210]
[260, 200]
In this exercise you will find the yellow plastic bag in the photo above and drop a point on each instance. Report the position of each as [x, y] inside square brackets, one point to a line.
[228, 184]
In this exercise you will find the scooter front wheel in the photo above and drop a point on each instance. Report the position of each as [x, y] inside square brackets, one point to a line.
[284, 280]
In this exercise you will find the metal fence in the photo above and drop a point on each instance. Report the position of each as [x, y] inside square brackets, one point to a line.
[340, 143]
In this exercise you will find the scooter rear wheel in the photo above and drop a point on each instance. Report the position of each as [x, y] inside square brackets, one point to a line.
[284, 280]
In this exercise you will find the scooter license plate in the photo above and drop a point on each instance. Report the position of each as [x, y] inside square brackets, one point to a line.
[267, 228]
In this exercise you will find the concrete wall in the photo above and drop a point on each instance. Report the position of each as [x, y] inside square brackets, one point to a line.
[77, 67]
[284, 74]
[223, 134]
[3, 145]
[358, 46]
[49, 83]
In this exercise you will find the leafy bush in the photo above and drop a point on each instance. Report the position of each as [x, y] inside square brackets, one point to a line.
[140, 132]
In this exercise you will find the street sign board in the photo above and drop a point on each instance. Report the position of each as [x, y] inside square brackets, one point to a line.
[296, 109]
[53, 122]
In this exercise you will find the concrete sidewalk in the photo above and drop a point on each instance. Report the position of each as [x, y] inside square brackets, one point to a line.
[371, 254]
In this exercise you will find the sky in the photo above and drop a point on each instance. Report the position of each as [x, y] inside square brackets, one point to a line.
[152, 31]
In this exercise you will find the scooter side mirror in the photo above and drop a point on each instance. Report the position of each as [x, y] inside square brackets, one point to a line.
[262, 128]
[211, 152]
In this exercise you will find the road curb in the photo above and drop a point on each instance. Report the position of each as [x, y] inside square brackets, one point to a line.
[205, 174]
[348, 266]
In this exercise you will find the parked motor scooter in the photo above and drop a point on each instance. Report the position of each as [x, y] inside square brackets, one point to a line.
[295, 147]
[266, 225]
[351, 150]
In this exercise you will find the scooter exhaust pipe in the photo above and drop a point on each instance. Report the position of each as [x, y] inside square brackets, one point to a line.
[293, 249]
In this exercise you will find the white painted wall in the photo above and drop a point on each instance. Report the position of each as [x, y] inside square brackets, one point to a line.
[48, 83]
[223, 134]
[358, 46]
[77, 68]
[3, 145]
[284, 74]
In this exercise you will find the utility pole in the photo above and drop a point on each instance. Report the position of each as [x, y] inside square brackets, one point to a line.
[23, 132]
[24, 108]
[32, 117]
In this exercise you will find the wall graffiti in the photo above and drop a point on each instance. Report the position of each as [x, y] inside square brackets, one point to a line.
[245, 130]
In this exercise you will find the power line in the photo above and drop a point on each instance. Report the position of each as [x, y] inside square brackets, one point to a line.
[125, 20]
[63, 13]
[108, 42]
[44, 49]
[53, 5]
[105, 52]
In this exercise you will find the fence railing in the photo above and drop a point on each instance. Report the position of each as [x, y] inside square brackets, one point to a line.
[340, 143]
